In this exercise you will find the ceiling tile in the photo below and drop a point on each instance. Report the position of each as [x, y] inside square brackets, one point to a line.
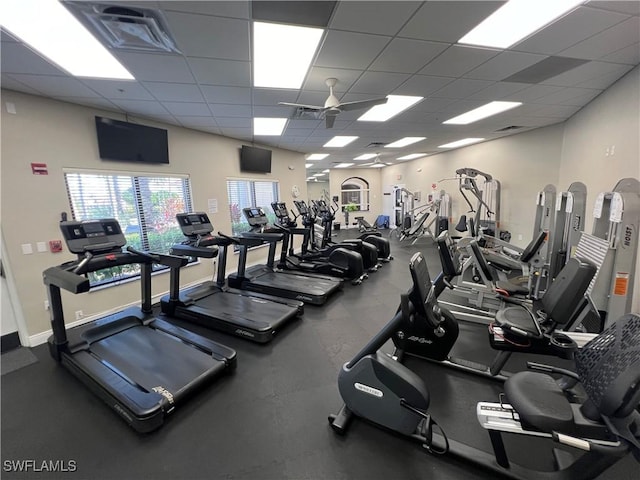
[240, 133]
[407, 55]
[187, 109]
[604, 81]
[378, 83]
[503, 65]
[18, 58]
[384, 18]
[497, 91]
[447, 21]
[100, 103]
[271, 96]
[588, 71]
[349, 50]
[211, 37]
[221, 72]
[235, 8]
[118, 89]
[157, 68]
[317, 77]
[141, 107]
[457, 60]
[196, 121]
[275, 111]
[232, 95]
[573, 28]
[608, 41]
[55, 86]
[6, 37]
[234, 122]
[622, 6]
[176, 92]
[532, 93]
[12, 84]
[462, 88]
[570, 96]
[629, 55]
[562, 111]
[225, 110]
[422, 85]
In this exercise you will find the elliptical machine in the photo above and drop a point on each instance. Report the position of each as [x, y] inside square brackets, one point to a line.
[604, 427]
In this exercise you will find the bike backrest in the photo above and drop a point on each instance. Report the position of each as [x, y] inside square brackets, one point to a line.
[609, 367]
[446, 258]
[421, 283]
[567, 290]
[481, 262]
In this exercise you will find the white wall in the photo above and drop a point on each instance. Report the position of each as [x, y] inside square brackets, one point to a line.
[63, 135]
[315, 190]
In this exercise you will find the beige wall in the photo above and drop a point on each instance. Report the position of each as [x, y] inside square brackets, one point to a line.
[315, 190]
[63, 135]
[610, 123]
[523, 164]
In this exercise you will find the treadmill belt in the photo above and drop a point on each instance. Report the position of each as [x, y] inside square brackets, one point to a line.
[154, 359]
[296, 283]
[253, 312]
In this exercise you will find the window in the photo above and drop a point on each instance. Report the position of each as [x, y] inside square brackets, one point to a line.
[249, 193]
[145, 207]
[355, 191]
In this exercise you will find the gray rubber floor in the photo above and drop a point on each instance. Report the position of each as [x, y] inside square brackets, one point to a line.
[266, 421]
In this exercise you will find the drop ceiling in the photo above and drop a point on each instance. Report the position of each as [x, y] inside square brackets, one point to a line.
[374, 49]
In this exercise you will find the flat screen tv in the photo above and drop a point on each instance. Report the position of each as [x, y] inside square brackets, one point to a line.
[130, 142]
[254, 159]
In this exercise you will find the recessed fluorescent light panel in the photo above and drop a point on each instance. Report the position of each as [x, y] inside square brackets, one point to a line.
[318, 174]
[268, 126]
[366, 156]
[54, 32]
[282, 54]
[516, 20]
[461, 143]
[317, 156]
[344, 165]
[484, 111]
[395, 105]
[403, 142]
[325, 171]
[339, 141]
[412, 156]
[378, 165]
[307, 165]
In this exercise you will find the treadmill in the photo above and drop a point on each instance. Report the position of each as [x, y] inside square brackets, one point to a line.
[141, 366]
[309, 288]
[210, 304]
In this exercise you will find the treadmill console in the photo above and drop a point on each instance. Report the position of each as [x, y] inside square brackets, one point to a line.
[280, 209]
[301, 207]
[193, 224]
[255, 216]
[95, 236]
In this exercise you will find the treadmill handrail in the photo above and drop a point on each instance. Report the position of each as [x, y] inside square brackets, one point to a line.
[267, 237]
[193, 251]
[172, 261]
[244, 241]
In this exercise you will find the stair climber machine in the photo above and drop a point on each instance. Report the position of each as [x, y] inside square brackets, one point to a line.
[266, 279]
[211, 304]
[308, 217]
[373, 248]
[141, 366]
[518, 328]
[595, 429]
[338, 261]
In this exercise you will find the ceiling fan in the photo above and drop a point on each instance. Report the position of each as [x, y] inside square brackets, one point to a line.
[376, 161]
[332, 106]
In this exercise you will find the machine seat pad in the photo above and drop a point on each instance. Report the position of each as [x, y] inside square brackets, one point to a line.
[502, 262]
[512, 288]
[539, 401]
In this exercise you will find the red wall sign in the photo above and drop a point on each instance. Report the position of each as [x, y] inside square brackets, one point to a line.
[39, 169]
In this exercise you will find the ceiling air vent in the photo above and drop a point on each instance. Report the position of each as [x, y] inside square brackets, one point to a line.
[376, 144]
[509, 128]
[125, 28]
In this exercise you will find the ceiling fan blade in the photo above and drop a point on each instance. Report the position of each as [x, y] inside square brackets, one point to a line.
[310, 107]
[362, 104]
[330, 120]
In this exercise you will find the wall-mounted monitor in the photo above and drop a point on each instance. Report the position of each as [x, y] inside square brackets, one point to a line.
[131, 142]
[255, 160]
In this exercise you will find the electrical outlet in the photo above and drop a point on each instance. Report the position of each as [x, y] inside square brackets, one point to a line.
[46, 304]
[79, 314]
